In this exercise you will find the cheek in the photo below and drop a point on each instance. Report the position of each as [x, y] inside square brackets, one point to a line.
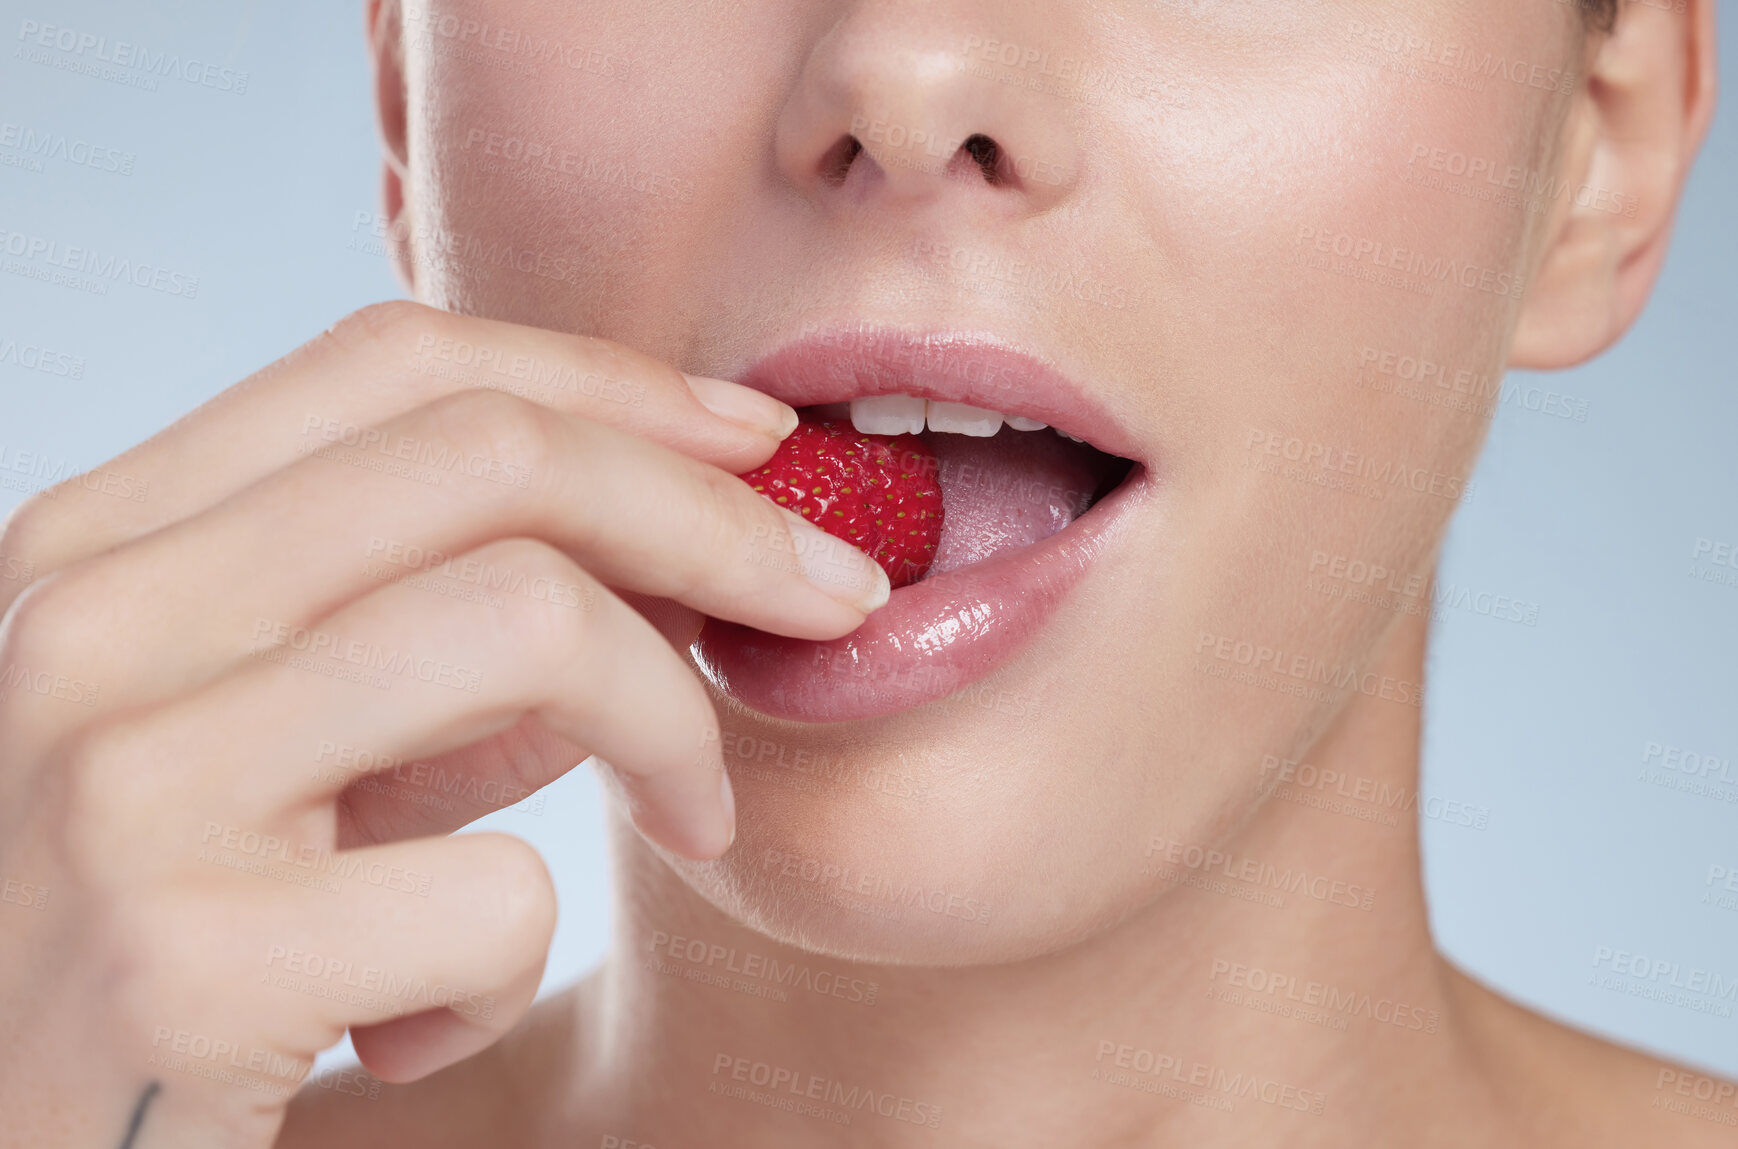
[572, 164]
[1348, 316]
[1344, 327]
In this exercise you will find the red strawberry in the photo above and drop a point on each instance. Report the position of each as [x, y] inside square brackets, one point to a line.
[880, 493]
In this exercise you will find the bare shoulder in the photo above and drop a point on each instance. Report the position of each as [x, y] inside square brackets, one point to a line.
[498, 1098]
[1575, 1089]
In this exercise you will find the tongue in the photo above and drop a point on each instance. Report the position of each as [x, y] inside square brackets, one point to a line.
[1008, 491]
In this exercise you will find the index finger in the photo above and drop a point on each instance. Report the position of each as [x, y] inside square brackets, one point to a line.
[374, 365]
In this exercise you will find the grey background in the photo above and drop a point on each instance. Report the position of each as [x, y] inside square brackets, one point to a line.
[257, 194]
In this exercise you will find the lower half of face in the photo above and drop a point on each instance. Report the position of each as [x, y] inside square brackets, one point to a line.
[1262, 259]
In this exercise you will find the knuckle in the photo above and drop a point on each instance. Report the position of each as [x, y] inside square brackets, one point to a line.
[525, 895]
[547, 611]
[614, 361]
[390, 325]
[497, 434]
[41, 625]
[531, 557]
[27, 539]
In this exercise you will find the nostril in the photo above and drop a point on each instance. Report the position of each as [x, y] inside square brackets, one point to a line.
[836, 164]
[983, 152]
[987, 154]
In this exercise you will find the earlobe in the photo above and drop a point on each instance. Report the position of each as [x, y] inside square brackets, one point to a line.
[391, 103]
[1641, 114]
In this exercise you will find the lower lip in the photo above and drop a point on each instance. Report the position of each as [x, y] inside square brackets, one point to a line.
[931, 639]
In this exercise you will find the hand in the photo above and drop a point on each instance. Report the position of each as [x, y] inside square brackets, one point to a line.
[407, 540]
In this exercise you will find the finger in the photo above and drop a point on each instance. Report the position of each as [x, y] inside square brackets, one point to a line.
[428, 950]
[173, 608]
[401, 675]
[437, 794]
[377, 364]
[440, 793]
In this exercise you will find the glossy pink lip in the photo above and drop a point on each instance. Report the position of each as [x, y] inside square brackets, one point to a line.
[938, 636]
[843, 363]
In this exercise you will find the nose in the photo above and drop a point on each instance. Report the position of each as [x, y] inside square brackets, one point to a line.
[890, 107]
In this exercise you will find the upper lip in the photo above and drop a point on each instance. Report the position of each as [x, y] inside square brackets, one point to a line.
[840, 363]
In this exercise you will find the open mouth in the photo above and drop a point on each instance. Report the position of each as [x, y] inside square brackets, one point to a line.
[1006, 481]
[1034, 477]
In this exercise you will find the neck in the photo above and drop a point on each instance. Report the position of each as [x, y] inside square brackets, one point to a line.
[1287, 983]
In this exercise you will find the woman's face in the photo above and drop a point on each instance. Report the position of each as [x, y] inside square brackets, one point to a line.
[1273, 253]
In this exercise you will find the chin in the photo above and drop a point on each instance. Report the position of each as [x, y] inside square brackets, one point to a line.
[846, 876]
[961, 832]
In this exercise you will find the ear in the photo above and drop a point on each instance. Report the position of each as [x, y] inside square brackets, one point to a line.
[1638, 120]
[386, 47]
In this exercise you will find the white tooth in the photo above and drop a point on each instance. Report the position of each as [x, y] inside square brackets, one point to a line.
[1075, 438]
[1021, 423]
[887, 415]
[960, 419]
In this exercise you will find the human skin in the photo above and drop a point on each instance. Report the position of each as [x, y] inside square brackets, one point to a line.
[1189, 204]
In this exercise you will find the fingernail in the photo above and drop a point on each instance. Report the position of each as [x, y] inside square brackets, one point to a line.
[728, 796]
[743, 405]
[836, 567]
